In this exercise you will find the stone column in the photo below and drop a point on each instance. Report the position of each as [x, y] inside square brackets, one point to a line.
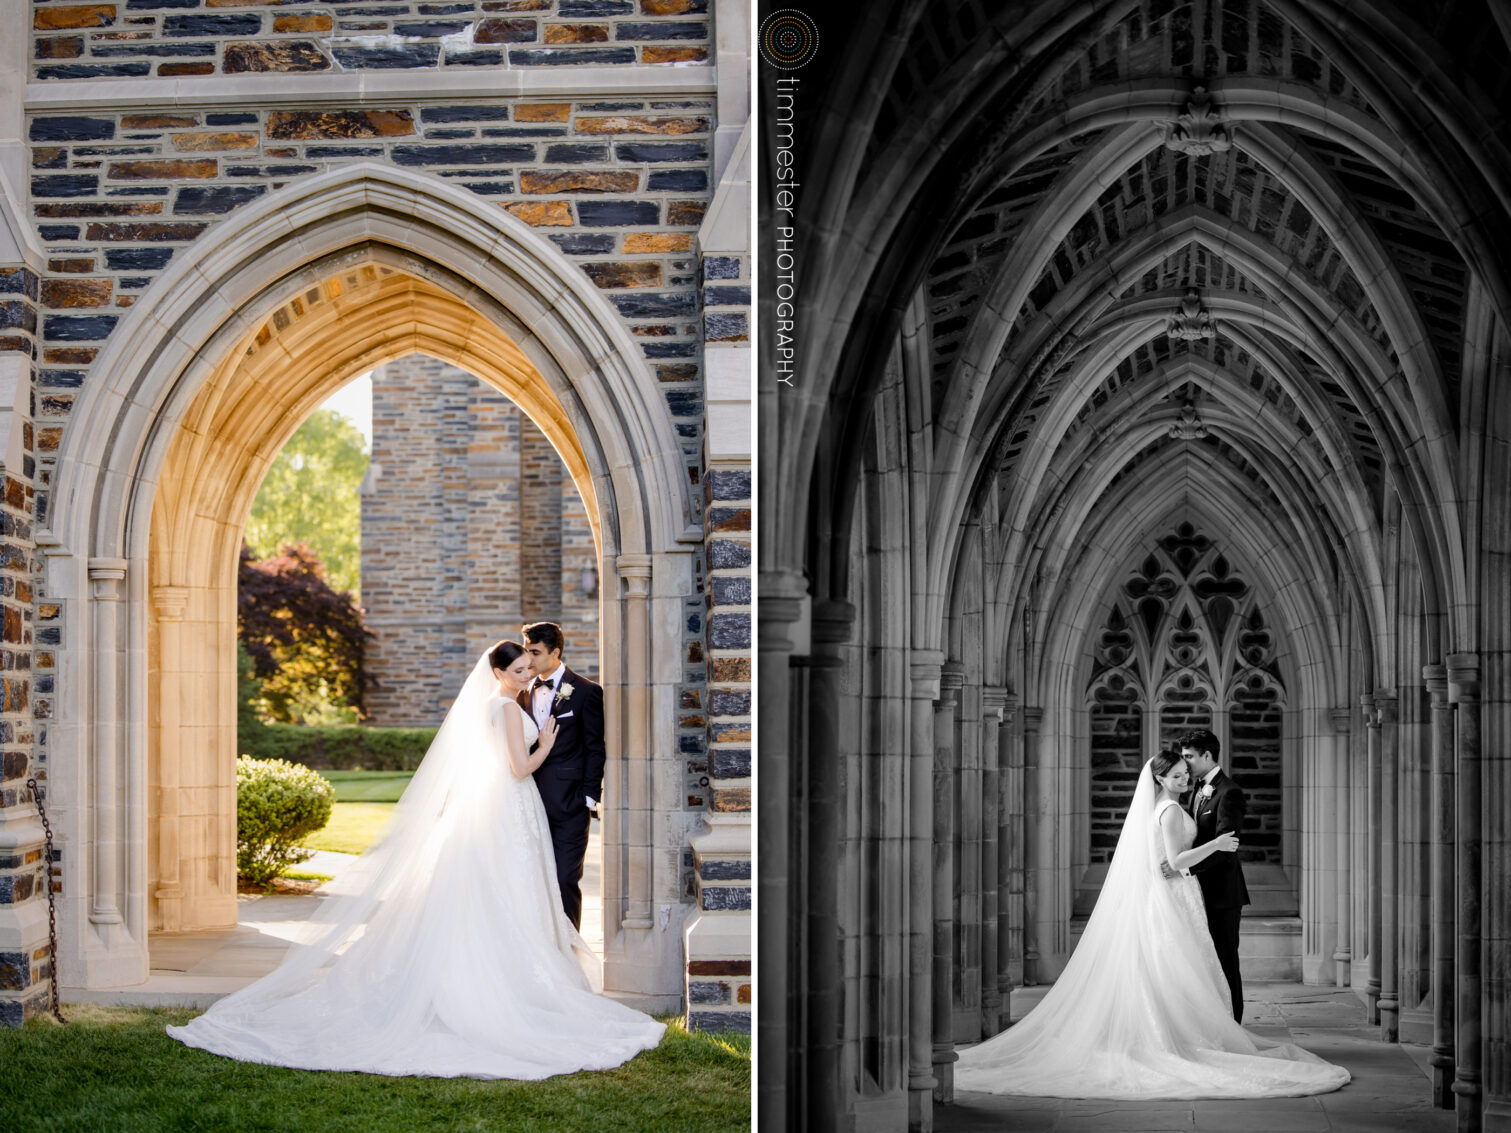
[970, 806]
[639, 811]
[1435, 677]
[951, 680]
[925, 672]
[169, 602]
[107, 590]
[1342, 720]
[1372, 839]
[1010, 923]
[825, 814]
[1389, 837]
[992, 703]
[1033, 822]
[779, 616]
[1464, 691]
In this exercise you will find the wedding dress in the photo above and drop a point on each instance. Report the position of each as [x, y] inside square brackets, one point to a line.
[444, 951]
[1142, 1009]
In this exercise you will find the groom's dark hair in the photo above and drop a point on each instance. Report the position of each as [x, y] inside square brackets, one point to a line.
[1202, 740]
[545, 633]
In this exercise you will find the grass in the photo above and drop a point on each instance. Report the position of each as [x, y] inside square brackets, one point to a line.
[364, 800]
[113, 1068]
[351, 828]
[368, 786]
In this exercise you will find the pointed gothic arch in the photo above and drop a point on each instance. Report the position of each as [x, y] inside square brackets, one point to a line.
[193, 396]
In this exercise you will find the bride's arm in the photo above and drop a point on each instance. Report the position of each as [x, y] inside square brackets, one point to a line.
[522, 762]
[1185, 859]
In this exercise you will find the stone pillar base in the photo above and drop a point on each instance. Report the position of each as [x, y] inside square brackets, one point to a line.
[26, 964]
[719, 938]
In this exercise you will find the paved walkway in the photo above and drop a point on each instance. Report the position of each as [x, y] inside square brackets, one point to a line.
[194, 969]
[1390, 1091]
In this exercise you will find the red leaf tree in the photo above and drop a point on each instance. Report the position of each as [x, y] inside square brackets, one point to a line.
[307, 641]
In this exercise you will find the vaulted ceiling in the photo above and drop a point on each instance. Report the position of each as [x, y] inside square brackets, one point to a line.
[1235, 248]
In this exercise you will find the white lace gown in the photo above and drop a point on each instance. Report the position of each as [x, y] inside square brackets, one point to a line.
[1142, 1009]
[449, 955]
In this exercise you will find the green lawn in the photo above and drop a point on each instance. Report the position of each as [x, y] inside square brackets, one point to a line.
[364, 800]
[368, 786]
[113, 1068]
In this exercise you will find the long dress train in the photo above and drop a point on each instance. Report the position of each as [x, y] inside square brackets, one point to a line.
[445, 951]
[1142, 1009]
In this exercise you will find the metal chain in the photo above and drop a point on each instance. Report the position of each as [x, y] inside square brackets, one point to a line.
[52, 908]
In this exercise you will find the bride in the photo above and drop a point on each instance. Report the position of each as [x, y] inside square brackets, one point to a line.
[1142, 1009]
[444, 951]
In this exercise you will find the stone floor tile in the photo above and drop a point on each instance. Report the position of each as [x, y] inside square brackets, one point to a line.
[1390, 1091]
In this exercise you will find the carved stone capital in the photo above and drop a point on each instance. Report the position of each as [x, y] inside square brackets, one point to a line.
[1342, 719]
[170, 602]
[952, 676]
[832, 621]
[1463, 677]
[924, 668]
[636, 572]
[1435, 678]
[107, 577]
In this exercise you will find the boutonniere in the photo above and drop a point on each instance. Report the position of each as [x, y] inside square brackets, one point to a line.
[564, 691]
[1207, 790]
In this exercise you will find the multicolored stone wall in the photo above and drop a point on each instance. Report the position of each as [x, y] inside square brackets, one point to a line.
[26, 673]
[116, 196]
[177, 38]
[468, 509]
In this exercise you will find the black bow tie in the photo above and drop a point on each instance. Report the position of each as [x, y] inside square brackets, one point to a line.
[540, 682]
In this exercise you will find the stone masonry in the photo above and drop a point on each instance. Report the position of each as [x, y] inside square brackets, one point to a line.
[467, 507]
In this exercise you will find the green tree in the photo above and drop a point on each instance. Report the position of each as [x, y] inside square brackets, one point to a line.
[310, 496]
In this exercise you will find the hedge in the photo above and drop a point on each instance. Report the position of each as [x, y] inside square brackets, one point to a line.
[342, 747]
[278, 805]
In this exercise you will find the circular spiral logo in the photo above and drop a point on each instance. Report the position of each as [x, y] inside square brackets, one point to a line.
[788, 38]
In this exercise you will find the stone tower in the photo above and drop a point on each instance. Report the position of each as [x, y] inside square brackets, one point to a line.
[471, 526]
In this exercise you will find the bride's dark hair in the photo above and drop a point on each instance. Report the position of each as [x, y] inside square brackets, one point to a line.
[505, 653]
[1163, 763]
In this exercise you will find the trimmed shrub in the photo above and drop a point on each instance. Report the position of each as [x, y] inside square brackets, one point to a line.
[278, 804]
[341, 747]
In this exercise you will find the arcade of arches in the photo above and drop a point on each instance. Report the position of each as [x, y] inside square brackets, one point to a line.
[1153, 370]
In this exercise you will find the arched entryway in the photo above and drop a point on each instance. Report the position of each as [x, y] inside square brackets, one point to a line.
[199, 388]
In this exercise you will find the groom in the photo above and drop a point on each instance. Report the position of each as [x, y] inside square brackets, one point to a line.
[571, 778]
[1218, 805]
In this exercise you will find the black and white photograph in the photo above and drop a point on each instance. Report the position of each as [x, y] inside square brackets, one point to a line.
[1134, 509]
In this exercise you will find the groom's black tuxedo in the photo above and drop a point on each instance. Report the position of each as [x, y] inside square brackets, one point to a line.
[572, 772]
[1223, 889]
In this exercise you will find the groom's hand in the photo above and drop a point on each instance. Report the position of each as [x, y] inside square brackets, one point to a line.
[1168, 873]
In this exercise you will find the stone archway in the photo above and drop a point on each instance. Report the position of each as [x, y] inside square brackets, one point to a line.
[196, 393]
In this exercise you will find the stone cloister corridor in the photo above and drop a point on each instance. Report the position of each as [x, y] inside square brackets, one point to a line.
[1152, 371]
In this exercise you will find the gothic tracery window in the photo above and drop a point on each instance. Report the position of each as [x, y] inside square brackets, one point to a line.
[1186, 645]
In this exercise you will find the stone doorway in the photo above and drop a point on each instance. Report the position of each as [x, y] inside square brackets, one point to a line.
[199, 390]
